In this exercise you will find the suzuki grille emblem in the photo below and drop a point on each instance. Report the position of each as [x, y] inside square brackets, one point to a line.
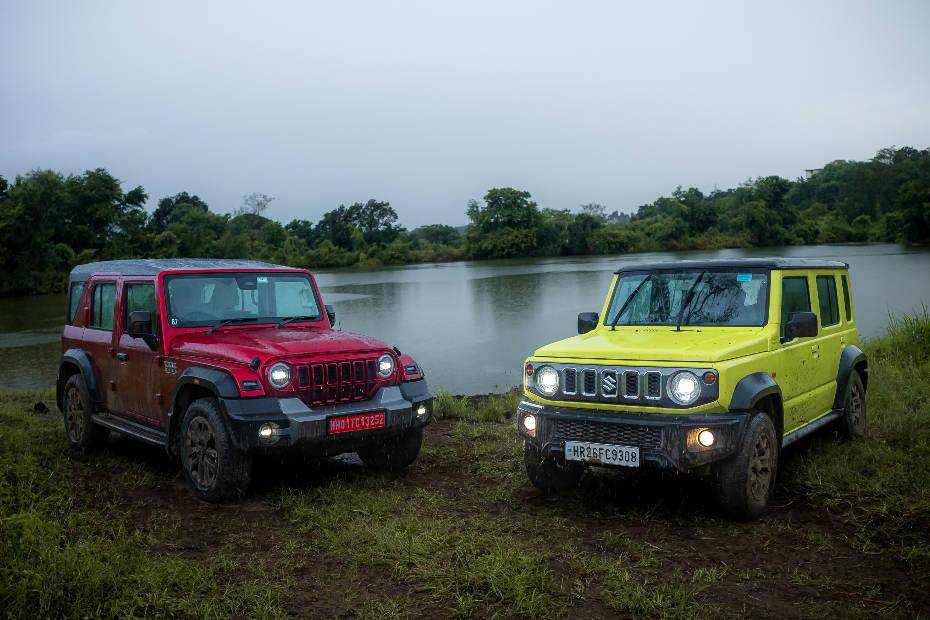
[609, 383]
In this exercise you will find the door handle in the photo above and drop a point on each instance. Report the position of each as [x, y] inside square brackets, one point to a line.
[122, 356]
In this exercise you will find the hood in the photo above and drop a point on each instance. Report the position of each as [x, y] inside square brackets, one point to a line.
[242, 344]
[660, 344]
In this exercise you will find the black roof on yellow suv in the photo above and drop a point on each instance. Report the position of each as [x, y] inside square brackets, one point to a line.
[154, 266]
[737, 263]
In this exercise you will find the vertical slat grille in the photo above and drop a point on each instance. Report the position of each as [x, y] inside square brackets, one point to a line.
[327, 383]
[653, 385]
[589, 376]
[631, 384]
[571, 381]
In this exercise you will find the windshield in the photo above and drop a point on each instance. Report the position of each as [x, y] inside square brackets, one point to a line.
[207, 299]
[734, 298]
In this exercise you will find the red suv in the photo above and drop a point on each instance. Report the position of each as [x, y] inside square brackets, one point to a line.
[218, 360]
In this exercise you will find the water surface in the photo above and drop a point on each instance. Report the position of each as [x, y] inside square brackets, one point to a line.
[471, 324]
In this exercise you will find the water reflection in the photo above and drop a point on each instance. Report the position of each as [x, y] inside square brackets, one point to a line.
[471, 324]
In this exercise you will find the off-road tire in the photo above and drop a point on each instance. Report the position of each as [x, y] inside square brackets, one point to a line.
[215, 468]
[77, 410]
[745, 480]
[395, 453]
[854, 424]
[546, 474]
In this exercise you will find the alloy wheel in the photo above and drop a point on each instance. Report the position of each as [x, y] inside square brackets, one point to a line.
[760, 468]
[74, 415]
[202, 458]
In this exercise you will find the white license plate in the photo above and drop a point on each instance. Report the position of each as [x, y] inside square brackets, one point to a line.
[602, 453]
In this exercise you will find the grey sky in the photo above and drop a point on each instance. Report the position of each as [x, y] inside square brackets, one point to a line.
[428, 104]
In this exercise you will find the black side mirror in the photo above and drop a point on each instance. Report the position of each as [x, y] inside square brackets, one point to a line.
[587, 321]
[801, 325]
[331, 313]
[140, 324]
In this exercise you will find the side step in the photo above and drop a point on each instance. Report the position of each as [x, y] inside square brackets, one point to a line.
[133, 429]
[817, 424]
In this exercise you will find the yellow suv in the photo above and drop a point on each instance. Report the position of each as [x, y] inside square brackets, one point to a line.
[709, 367]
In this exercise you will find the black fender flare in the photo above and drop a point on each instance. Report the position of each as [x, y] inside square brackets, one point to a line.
[80, 359]
[220, 383]
[851, 357]
[751, 389]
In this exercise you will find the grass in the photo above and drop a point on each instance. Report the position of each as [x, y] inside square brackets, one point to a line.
[462, 534]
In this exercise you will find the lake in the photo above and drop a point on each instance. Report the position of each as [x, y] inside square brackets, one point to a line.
[471, 324]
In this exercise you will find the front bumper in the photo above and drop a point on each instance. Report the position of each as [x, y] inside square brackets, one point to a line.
[666, 441]
[297, 425]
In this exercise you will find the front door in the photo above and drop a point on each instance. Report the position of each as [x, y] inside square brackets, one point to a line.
[98, 338]
[135, 360]
[799, 357]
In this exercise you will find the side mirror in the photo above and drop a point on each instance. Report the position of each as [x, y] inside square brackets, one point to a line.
[801, 325]
[331, 313]
[140, 324]
[587, 321]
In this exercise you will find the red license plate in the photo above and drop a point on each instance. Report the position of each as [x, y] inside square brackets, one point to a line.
[356, 422]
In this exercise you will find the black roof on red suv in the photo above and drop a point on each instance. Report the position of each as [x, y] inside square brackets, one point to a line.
[737, 263]
[154, 266]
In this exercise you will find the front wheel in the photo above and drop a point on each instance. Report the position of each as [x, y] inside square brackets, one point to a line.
[214, 467]
[547, 475]
[745, 480]
[395, 453]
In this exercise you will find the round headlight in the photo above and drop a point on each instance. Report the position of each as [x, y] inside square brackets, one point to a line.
[547, 380]
[385, 365]
[684, 388]
[279, 375]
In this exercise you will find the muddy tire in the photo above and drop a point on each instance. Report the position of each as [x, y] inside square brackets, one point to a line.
[547, 475]
[853, 424]
[394, 454]
[745, 480]
[78, 410]
[215, 469]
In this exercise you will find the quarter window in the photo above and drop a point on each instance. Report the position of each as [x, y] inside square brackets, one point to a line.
[795, 297]
[139, 297]
[74, 298]
[103, 305]
[846, 300]
[826, 294]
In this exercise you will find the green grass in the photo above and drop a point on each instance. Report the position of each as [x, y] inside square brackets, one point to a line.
[490, 408]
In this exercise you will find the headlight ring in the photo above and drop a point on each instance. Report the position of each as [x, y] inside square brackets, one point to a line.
[385, 366]
[547, 380]
[279, 375]
[684, 387]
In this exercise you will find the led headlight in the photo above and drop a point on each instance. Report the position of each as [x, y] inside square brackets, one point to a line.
[547, 380]
[279, 375]
[684, 388]
[385, 365]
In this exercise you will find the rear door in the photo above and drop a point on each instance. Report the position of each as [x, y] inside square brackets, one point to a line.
[831, 341]
[135, 360]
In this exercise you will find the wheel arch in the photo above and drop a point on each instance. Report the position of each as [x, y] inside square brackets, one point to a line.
[77, 361]
[760, 392]
[851, 360]
[194, 383]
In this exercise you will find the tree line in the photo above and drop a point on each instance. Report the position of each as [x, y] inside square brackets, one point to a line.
[50, 222]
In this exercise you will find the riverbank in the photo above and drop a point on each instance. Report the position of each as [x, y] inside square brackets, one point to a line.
[463, 533]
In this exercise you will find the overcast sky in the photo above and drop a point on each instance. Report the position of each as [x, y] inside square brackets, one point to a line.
[427, 105]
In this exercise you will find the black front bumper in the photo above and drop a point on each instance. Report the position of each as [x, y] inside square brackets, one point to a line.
[664, 440]
[294, 424]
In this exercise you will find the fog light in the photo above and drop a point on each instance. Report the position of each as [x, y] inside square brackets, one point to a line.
[706, 438]
[421, 410]
[265, 431]
[529, 423]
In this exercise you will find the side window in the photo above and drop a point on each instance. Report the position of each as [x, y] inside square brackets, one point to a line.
[139, 296]
[846, 300]
[103, 305]
[795, 297]
[826, 293]
[74, 298]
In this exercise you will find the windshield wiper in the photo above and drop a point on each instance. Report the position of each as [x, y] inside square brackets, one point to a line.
[291, 319]
[686, 302]
[234, 321]
[629, 300]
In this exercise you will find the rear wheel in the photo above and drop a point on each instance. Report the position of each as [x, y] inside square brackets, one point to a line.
[78, 409]
[395, 453]
[745, 480]
[854, 420]
[546, 474]
[214, 467]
